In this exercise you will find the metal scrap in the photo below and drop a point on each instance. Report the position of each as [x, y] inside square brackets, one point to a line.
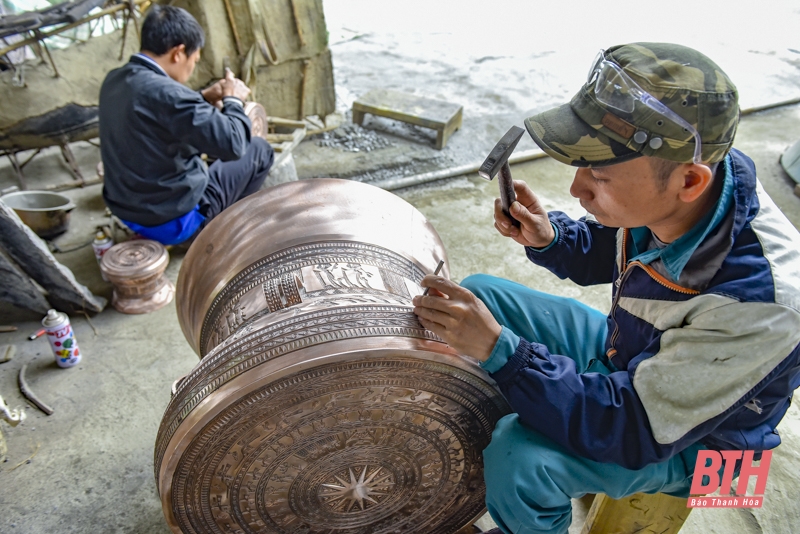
[12, 417]
[353, 138]
[26, 391]
[7, 352]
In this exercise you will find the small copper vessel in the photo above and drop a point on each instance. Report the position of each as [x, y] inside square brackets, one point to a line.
[136, 269]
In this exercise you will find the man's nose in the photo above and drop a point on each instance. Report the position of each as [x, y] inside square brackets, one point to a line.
[581, 184]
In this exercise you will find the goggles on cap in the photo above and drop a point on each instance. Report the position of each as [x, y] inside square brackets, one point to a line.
[615, 89]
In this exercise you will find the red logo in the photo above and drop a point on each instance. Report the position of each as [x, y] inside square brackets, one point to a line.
[61, 332]
[725, 499]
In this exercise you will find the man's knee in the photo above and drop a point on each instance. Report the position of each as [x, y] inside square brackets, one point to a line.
[513, 446]
[489, 289]
[480, 284]
[520, 490]
[262, 153]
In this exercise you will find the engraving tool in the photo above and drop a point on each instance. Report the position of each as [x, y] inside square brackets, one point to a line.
[438, 268]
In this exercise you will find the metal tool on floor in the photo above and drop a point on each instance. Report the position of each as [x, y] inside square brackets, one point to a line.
[7, 352]
[25, 389]
[497, 160]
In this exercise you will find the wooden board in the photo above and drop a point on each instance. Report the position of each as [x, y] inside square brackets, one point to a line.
[278, 47]
[282, 91]
[444, 117]
[638, 513]
[284, 136]
[294, 29]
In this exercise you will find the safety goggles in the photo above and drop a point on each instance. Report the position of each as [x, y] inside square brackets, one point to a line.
[615, 89]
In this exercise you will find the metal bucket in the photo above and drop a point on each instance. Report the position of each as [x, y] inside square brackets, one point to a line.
[320, 404]
[47, 214]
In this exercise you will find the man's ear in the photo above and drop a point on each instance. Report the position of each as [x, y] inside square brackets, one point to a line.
[175, 53]
[696, 180]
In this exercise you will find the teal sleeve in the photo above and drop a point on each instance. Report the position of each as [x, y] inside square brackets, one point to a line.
[553, 242]
[505, 347]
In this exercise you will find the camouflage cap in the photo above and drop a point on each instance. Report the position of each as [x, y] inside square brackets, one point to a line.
[586, 132]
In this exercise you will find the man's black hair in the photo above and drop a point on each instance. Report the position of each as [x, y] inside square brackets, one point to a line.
[166, 27]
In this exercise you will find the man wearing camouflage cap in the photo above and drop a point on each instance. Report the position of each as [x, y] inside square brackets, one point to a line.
[700, 348]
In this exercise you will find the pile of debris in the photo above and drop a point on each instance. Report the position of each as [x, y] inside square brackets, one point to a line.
[353, 138]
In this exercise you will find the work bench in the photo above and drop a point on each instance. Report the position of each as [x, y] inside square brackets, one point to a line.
[444, 117]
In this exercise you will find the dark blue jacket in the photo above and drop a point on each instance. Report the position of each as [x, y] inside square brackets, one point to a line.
[715, 361]
[152, 133]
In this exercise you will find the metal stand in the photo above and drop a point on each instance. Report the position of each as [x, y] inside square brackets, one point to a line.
[72, 165]
[12, 156]
[78, 180]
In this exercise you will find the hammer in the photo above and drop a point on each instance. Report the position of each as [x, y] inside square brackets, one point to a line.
[498, 160]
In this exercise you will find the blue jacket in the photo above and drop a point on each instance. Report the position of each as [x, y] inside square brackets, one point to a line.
[712, 357]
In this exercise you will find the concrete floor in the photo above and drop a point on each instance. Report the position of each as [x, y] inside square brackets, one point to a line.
[88, 467]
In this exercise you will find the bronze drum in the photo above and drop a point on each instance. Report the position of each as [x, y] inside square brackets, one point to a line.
[320, 405]
[136, 269]
[259, 125]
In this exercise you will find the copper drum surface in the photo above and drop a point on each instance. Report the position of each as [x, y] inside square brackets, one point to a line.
[259, 125]
[320, 404]
[136, 269]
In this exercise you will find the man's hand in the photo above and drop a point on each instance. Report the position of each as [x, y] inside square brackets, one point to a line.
[458, 317]
[213, 94]
[535, 229]
[233, 86]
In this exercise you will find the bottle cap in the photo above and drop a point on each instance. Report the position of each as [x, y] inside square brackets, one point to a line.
[52, 318]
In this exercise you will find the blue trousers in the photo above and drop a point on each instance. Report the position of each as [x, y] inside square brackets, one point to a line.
[530, 479]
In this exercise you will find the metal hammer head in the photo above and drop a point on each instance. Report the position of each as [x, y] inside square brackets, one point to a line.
[500, 153]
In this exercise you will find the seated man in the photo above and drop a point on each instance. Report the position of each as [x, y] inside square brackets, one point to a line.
[700, 348]
[153, 130]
